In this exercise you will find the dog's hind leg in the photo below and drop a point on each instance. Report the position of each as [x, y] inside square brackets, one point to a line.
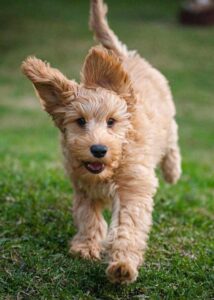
[99, 24]
[171, 162]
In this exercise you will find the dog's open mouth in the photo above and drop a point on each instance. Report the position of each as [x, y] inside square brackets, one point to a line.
[94, 167]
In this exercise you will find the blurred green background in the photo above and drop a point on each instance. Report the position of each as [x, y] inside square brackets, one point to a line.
[36, 197]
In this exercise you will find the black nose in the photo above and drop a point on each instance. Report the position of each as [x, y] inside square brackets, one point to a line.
[98, 150]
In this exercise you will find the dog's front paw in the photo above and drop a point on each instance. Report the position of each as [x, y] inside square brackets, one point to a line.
[85, 250]
[121, 272]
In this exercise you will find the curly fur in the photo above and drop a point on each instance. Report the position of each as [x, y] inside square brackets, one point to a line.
[121, 85]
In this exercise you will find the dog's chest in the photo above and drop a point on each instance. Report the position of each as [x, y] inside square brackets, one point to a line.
[104, 192]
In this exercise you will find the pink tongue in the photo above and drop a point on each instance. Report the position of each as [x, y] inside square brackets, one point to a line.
[96, 166]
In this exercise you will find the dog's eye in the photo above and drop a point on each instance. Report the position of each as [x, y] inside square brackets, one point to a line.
[81, 122]
[110, 122]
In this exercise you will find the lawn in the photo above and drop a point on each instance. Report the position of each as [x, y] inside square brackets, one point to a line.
[35, 195]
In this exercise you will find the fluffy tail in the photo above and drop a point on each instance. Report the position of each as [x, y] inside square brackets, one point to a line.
[99, 24]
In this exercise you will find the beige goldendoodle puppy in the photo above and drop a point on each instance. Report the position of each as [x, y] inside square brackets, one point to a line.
[116, 126]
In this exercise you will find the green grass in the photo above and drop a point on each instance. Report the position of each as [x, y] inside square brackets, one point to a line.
[36, 197]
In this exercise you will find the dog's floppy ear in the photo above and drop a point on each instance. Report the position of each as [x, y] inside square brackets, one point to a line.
[103, 68]
[54, 89]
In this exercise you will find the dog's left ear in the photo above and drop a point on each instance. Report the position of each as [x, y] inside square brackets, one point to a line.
[103, 68]
[53, 88]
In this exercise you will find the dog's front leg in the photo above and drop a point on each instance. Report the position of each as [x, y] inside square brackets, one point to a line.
[91, 227]
[131, 221]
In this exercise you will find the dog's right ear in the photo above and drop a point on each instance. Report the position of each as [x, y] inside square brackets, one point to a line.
[53, 88]
[103, 68]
